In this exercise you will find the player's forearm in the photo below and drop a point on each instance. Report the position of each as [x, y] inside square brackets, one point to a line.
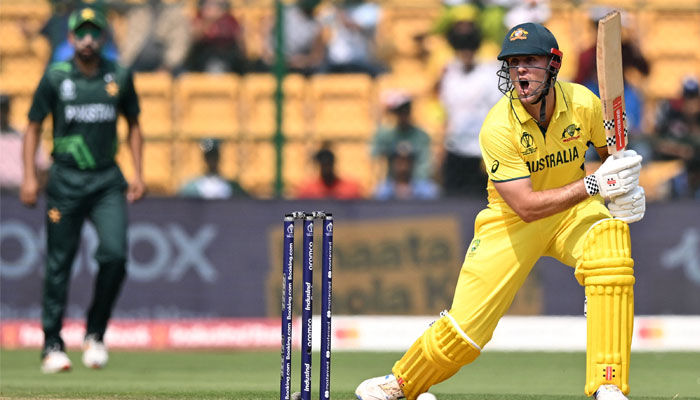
[29, 148]
[135, 140]
[533, 205]
[553, 201]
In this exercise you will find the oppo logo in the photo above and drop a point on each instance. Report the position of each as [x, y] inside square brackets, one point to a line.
[173, 252]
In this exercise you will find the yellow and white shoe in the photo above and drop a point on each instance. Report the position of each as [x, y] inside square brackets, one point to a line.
[95, 354]
[55, 361]
[379, 388]
[609, 392]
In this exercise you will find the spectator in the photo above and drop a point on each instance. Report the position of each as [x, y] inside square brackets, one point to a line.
[467, 90]
[11, 149]
[528, 11]
[403, 130]
[217, 40]
[678, 136]
[55, 30]
[159, 37]
[401, 184]
[352, 44]
[303, 42]
[212, 185]
[328, 185]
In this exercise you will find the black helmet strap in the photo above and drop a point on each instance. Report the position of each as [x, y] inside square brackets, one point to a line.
[552, 71]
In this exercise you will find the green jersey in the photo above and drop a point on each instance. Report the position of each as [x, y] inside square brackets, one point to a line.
[85, 111]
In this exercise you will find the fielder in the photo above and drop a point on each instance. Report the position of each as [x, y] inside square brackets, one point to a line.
[540, 203]
[84, 96]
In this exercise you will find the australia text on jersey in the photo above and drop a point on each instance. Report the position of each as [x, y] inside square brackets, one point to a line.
[552, 160]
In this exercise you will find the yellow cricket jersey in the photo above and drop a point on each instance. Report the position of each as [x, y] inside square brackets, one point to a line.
[514, 147]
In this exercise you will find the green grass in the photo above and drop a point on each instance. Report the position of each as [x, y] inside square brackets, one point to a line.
[255, 375]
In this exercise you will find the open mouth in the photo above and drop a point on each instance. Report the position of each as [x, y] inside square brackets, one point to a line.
[524, 85]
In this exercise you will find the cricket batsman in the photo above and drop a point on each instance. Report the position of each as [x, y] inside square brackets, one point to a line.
[540, 203]
[84, 96]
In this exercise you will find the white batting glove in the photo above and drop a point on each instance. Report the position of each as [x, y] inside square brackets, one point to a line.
[629, 207]
[616, 176]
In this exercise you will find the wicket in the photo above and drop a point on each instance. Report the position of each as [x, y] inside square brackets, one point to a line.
[306, 317]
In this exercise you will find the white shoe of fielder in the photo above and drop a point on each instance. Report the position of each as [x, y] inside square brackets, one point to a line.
[379, 388]
[55, 361]
[609, 392]
[94, 353]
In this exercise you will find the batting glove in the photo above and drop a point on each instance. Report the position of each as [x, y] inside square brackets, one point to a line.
[616, 176]
[629, 207]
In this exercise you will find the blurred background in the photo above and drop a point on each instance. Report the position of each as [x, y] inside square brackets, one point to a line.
[354, 107]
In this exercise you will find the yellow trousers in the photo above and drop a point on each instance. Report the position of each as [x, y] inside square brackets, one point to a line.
[502, 253]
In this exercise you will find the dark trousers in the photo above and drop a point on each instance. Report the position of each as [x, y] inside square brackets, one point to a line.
[463, 176]
[74, 196]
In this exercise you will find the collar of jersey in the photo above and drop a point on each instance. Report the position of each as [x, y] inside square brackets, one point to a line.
[560, 106]
[75, 71]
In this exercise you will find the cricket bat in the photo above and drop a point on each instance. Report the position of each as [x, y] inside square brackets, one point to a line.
[611, 83]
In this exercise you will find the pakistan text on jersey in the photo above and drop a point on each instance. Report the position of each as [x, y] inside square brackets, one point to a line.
[91, 113]
[553, 160]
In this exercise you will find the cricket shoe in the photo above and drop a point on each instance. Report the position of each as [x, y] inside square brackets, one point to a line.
[379, 388]
[55, 361]
[94, 353]
[609, 392]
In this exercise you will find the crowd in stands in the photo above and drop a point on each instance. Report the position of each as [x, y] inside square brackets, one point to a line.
[322, 37]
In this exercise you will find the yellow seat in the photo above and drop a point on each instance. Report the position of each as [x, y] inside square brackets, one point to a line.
[257, 20]
[344, 106]
[13, 40]
[670, 33]
[353, 161]
[207, 105]
[258, 100]
[190, 160]
[155, 91]
[257, 160]
[22, 9]
[258, 173]
[20, 87]
[157, 165]
[666, 76]
[400, 25]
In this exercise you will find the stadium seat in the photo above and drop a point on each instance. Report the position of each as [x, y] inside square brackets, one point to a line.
[353, 161]
[258, 163]
[21, 88]
[190, 161]
[257, 22]
[666, 76]
[415, 84]
[15, 10]
[258, 100]
[258, 157]
[155, 90]
[23, 66]
[157, 165]
[207, 105]
[399, 26]
[13, 40]
[670, 33]
[343, 106]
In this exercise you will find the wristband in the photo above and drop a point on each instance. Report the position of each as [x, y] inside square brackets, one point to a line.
[591, 185]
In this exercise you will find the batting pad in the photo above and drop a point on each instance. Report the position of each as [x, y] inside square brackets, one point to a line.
[607, 273]
[437, 355]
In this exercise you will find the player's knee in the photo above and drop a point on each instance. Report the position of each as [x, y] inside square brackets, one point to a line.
[111, 252]
[606, 256]
[448, 345]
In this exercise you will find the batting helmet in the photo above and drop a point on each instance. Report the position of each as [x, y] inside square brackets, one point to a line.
[528, 39]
